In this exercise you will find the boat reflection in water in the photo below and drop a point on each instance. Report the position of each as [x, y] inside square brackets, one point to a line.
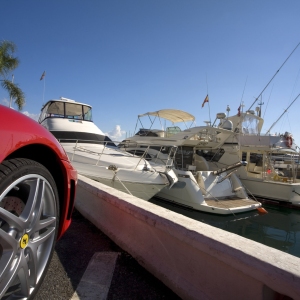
[279, 229]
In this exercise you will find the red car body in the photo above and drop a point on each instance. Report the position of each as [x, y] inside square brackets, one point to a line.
[21, 136]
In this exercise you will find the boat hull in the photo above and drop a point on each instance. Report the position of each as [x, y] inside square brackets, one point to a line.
[226, 197]
[275, 190]
[141, 184]
[118, 169]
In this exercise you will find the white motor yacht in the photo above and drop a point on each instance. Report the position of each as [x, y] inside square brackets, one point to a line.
[262, 176]
[95, 156]
[198, 187]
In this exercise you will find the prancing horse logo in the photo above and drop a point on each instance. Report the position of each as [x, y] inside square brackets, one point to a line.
[24, 240]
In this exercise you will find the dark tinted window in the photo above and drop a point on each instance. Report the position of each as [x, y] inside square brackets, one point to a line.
[145, 132]
[210, 155]
[72, 136]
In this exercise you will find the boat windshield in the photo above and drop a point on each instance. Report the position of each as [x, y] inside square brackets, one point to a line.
[172, 130]
[250, 124]
[59, 109]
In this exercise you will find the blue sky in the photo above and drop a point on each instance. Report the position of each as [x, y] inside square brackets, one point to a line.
[127, 57]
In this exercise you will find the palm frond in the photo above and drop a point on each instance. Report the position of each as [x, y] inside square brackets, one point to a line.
[7, 62]
[14, 92]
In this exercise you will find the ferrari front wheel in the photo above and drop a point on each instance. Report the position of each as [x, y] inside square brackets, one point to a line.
[29, 214]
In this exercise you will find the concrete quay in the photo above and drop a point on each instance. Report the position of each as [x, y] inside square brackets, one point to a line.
[195, 260]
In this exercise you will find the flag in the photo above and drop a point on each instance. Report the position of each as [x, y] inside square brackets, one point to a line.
[205, 100]
[239, 111]
[43, 75]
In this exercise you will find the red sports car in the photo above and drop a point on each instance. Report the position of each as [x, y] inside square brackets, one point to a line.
[37, 192]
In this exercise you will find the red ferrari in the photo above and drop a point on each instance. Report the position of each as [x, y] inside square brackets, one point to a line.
[37, 192]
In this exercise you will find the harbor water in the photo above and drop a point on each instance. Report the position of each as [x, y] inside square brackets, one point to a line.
[279, 228]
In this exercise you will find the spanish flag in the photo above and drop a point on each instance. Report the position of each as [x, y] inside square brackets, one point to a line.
[205, 100]
[43, 75]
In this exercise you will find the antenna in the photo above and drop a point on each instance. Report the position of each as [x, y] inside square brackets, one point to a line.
[228, 110]
[260, 104]
[208, 101]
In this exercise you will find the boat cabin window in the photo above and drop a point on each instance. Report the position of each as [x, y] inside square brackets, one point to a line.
[257, 159]
[73, 111]
[60, 109]
[184, 157]
[137, 152]
[44, 113]
[87, 113]
[146, 132]
[162, 149]
[211, 155]
[56, 109]
[244, 156]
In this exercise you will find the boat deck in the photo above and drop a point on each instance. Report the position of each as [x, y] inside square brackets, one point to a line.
[230, 202]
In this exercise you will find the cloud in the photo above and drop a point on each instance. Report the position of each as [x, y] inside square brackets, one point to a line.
[32, 116]
[5, 102]
[116, 134]
[35, 117]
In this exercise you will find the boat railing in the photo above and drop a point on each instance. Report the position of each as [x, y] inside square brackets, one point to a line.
[80, 148]
[162, 156]
[106, 145]
[156, 153]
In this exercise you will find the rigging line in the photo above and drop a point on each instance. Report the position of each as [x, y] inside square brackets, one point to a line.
[284, 120]
[282, 114]
[152, 121]
[274, 75]
[292, 94]
[244, 90]
[295, 83]
[288, 120]
[268, 102]
[161, 125]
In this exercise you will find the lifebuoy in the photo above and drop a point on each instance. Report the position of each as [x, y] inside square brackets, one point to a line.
[289, 141]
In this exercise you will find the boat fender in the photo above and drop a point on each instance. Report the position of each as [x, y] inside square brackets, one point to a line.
[261, 211]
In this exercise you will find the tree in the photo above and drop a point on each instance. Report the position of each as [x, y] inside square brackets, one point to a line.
[7, 64]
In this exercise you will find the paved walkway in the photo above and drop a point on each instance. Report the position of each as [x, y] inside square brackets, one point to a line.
[87, 265]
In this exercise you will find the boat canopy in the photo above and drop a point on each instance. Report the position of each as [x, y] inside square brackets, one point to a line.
[172, 115]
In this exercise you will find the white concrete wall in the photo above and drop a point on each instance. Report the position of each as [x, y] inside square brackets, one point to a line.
[195, 260]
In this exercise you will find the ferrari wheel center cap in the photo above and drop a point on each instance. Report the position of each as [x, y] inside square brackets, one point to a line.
[24, 241]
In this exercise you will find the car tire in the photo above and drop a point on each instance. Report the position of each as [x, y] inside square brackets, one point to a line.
[29, 216]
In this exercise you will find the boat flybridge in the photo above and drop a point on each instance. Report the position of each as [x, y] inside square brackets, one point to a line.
[261, 177]
[94, 155]
[198, 187]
